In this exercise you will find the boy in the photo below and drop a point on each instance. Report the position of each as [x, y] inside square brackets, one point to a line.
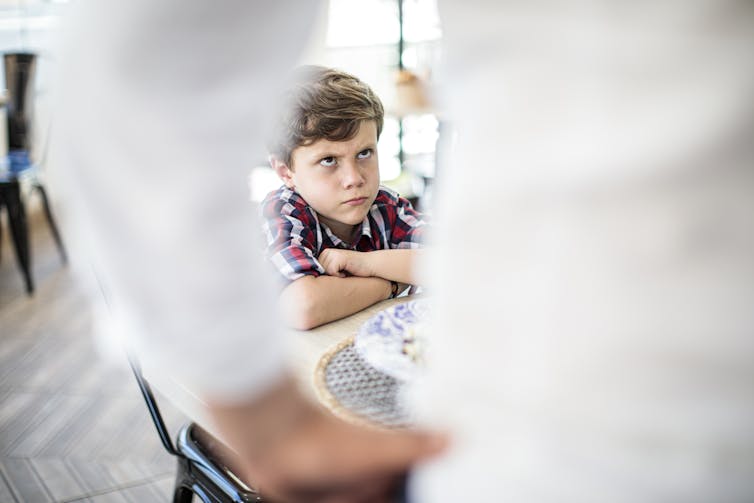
[342, 241]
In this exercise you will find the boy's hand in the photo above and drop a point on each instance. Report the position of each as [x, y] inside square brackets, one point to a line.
[342, 263]
[393, 265]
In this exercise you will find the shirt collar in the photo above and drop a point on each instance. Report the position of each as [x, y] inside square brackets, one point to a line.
[366, 230]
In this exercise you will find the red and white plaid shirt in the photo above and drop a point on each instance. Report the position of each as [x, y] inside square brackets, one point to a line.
[296, 237]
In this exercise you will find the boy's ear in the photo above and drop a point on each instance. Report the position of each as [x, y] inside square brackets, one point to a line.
[283, 171]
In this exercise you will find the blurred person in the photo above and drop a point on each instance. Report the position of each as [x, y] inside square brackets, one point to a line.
[160, 107]
[340, 240]
[607, 354]
[597, 343]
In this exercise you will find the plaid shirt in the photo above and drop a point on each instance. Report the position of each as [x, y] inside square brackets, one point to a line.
[296, 237]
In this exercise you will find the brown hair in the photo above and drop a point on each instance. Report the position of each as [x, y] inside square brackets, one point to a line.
[323, 103]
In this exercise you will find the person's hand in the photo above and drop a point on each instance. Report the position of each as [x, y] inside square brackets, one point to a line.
[292, 451]
[342, 263]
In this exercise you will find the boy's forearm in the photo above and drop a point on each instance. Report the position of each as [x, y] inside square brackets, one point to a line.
[394, 265]
[312, 301]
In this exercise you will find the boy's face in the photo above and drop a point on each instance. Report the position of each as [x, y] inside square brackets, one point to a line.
[339, 179]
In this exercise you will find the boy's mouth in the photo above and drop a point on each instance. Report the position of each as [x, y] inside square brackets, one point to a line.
[357, 201]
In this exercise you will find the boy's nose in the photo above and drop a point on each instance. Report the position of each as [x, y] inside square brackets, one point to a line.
[352, 176]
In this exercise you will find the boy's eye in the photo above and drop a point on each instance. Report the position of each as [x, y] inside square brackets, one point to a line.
[327, 161]
[365, 154]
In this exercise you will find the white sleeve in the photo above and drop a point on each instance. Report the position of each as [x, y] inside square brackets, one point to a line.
[161, 117]
[594, 322]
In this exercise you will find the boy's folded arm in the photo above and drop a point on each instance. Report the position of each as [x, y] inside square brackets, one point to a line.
[311, 301]
[393, 265]
[396, 264]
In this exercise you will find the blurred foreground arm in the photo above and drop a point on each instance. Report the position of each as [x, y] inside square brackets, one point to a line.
[293, 451]
[143, 125]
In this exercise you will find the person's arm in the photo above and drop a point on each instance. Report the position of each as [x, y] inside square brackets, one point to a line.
[168, 283]
[394, 265]
[311, 301]
[292, 450]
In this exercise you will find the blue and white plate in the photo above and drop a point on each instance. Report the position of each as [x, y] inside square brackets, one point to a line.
[392, 340]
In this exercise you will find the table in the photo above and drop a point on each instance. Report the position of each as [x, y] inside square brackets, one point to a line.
[305, 350]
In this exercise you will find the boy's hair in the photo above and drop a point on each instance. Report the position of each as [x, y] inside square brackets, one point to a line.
[323, 103]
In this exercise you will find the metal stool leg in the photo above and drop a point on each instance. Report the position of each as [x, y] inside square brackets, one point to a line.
[51, 221]
[2, 204]
[19, 232]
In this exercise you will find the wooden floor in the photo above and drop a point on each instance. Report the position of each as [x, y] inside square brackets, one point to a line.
[72, 427]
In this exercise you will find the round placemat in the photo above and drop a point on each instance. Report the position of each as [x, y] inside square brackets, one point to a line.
[356, 391]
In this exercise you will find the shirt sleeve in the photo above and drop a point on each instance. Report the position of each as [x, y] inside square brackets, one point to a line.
[408, 226]
[163, 206]
[291, 232]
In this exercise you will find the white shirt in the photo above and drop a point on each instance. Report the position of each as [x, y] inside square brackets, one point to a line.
[593, 339]
[162, 108]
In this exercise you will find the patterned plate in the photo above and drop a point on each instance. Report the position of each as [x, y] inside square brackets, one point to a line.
[392, 341]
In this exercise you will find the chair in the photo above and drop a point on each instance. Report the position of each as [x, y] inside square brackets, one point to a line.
[12, 201]
[20, 68]
[200, 471]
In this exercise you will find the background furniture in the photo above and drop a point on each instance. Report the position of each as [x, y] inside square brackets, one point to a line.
[11, 199]
[200, 471]
[19, 169]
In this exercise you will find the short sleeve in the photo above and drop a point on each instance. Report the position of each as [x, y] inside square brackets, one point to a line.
[291, 229]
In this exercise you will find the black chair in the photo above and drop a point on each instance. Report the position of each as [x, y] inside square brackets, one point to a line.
[20, 68]
[12, 201]
[200, 471]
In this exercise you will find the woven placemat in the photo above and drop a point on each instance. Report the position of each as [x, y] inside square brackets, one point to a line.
[357, 392]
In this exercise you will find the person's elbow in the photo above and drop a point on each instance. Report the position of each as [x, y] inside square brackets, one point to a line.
[299, 304]
[303, 317]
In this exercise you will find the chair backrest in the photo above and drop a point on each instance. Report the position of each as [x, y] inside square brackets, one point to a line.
[201, 472]
[154, 411]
